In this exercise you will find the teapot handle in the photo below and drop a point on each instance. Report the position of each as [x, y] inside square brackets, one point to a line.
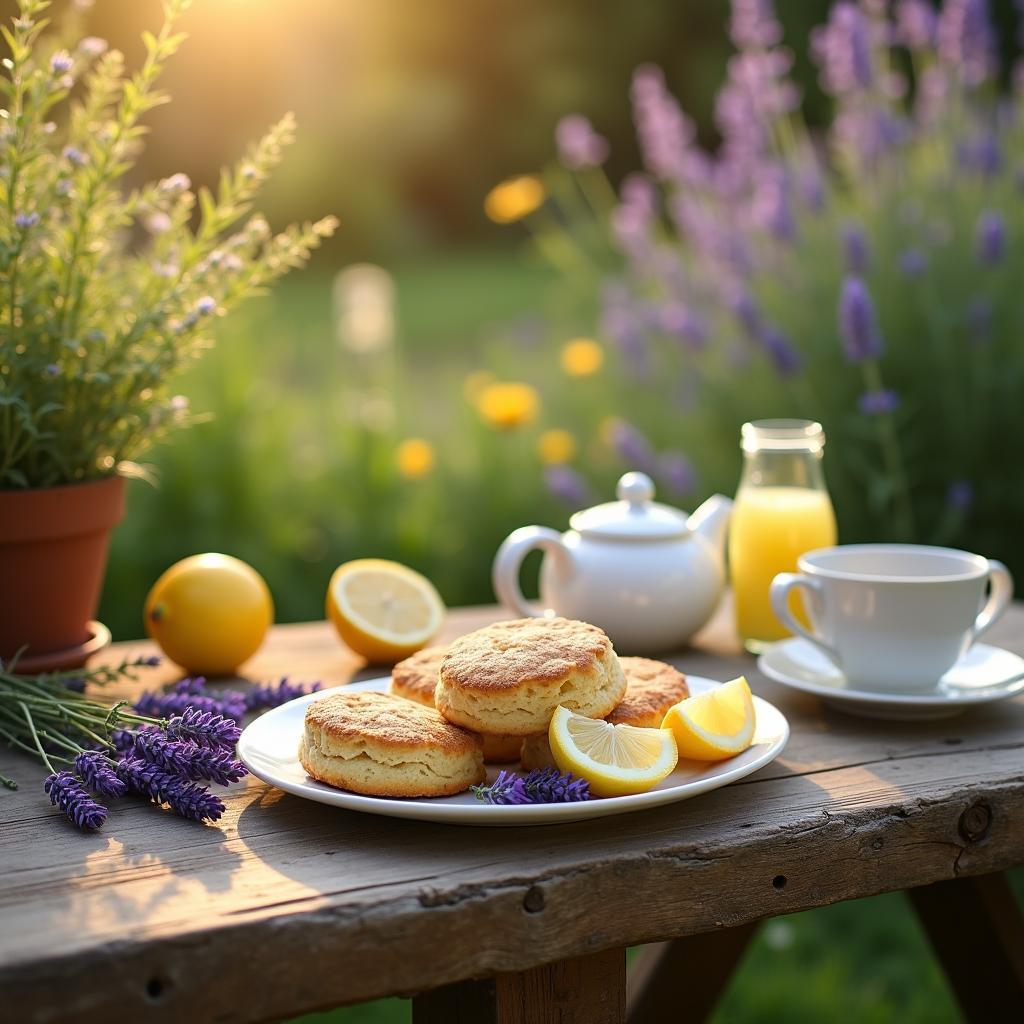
[507, 562]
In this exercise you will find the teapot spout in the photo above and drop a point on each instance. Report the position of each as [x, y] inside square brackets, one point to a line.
[711, 521]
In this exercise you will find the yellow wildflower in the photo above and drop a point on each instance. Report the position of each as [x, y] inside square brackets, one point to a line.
[415, 458]
[582, 357]
[556, 446]
[507, 405]
[475, 382]
[514, 198]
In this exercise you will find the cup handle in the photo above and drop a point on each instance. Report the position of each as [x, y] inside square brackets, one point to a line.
[999, 597]
[779, 592]
[507, 562]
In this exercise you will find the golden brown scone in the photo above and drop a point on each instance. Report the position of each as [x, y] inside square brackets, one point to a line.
[415, 679]
[652, 688]
[381, 745]
[509, 677]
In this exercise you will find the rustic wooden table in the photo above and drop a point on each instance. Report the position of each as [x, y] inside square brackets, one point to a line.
[287, 906]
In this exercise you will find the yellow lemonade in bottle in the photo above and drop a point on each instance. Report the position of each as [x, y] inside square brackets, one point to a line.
[782, 510]
[771, 528]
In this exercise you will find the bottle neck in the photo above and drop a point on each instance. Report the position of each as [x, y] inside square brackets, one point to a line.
[768, 468]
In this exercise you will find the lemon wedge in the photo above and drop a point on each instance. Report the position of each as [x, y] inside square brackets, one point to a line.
[383, 610]
[714, 725]
[615, 759]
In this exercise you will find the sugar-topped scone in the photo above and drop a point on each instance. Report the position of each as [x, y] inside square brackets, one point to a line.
[381, 745]
[652, 687]
[415, 679]
[510, 677]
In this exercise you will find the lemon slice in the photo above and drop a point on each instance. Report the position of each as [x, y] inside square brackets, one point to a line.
[615, 759]
[383, 610]
[714, 725]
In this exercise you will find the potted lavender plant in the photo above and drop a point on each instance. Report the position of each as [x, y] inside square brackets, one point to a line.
[105, 293]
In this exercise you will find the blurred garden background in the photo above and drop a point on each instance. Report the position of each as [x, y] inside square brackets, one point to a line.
[459, 361]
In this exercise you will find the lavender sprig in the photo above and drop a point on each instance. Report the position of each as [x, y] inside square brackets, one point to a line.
[541, 786]
[228, 704]
[98, 774]
[183, 797]
[185, 759]
[204, 728]
[274, 694]
[66, 791]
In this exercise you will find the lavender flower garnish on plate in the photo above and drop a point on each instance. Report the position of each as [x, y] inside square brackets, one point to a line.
[541, 786]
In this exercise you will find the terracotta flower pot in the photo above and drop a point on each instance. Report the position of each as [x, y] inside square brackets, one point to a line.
[53, 553]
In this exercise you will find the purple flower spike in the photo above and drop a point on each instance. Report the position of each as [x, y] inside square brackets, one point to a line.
[754, 25]
[665, 133]
[677, 471]
[66, 791]
[857, 325]
[878, 403]
[24, 221]
[567, 486]
[194, 685]
[960, 496]
[855, 249]
[275, 694]
[781, 351]
[204, 728]
[632, 447]
[842, 48]
[187, 760]
[183, 797]
[991, 237]
[915, 24]
[966, 41]
[98, 775]
[913, 262]
[228, 703]
[579, 146]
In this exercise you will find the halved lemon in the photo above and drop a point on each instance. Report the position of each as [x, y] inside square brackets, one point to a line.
[383, 610]
[615, 759]
[714, 725]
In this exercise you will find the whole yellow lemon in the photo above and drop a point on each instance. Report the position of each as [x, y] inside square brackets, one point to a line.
[209, 613]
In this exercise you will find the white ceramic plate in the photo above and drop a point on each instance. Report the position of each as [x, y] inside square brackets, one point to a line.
[984, 674]
[269, 748]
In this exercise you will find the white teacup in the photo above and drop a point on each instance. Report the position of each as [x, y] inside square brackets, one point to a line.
[894, 617]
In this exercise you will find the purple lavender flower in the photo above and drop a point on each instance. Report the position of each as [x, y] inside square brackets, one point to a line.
[61, 62]
[770, 208]
[878, 403]
[24, 221]
[780, 350]
[52, 370]
[680, 321]
[913, 262]
[228, 703]
[855, 249]
[507, 788]
[677, 472]
[621, 321]
[915, 24]
[274, 694]
[204, 728]
[665, 133]
[66, 791]
[755, 94]
[98, 775]
[857, 325]
[183, 797]
[579, 146]
[960, 495]
[746, 311]
[982, 155]
[991, 237]
[541, 786]
[631, 220]
[195, 685]
[186, 759]
[842, 49]
[753, 24]
[567, 486]
[966, 41]
[206, 305]
[632, 446]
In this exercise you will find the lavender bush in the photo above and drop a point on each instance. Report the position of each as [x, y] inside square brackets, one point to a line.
[106, 294]
[863, 276]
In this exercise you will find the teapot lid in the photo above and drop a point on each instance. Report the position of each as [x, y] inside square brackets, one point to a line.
[634, 516]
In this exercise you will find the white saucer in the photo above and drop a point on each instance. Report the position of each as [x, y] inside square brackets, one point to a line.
[984, 674]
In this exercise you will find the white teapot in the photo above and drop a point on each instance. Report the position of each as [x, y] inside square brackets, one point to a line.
[646, 573]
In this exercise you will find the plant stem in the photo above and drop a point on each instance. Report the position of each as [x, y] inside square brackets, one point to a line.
[892, 455]
[35, 736]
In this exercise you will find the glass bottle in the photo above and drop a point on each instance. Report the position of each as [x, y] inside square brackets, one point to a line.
[782, 510]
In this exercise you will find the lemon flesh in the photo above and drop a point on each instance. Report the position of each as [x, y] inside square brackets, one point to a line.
[616, 760]
[383, 610]
[714, 725]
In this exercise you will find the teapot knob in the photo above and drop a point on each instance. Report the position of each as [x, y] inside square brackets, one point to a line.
[635, 488]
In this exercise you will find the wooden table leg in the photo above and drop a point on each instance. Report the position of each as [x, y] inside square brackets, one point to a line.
[584, 990]
[977, 931]
[700, 965]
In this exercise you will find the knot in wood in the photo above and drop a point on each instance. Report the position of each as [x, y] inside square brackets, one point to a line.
[975, 822]
[533, 901]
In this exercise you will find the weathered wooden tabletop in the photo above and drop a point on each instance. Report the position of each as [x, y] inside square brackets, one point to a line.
[286, 906]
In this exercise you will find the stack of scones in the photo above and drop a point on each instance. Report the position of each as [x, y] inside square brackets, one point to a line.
[488, 697]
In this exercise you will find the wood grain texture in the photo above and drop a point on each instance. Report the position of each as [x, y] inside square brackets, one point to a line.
[287, 906]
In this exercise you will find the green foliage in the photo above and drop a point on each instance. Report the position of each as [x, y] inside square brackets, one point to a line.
[105, 295]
